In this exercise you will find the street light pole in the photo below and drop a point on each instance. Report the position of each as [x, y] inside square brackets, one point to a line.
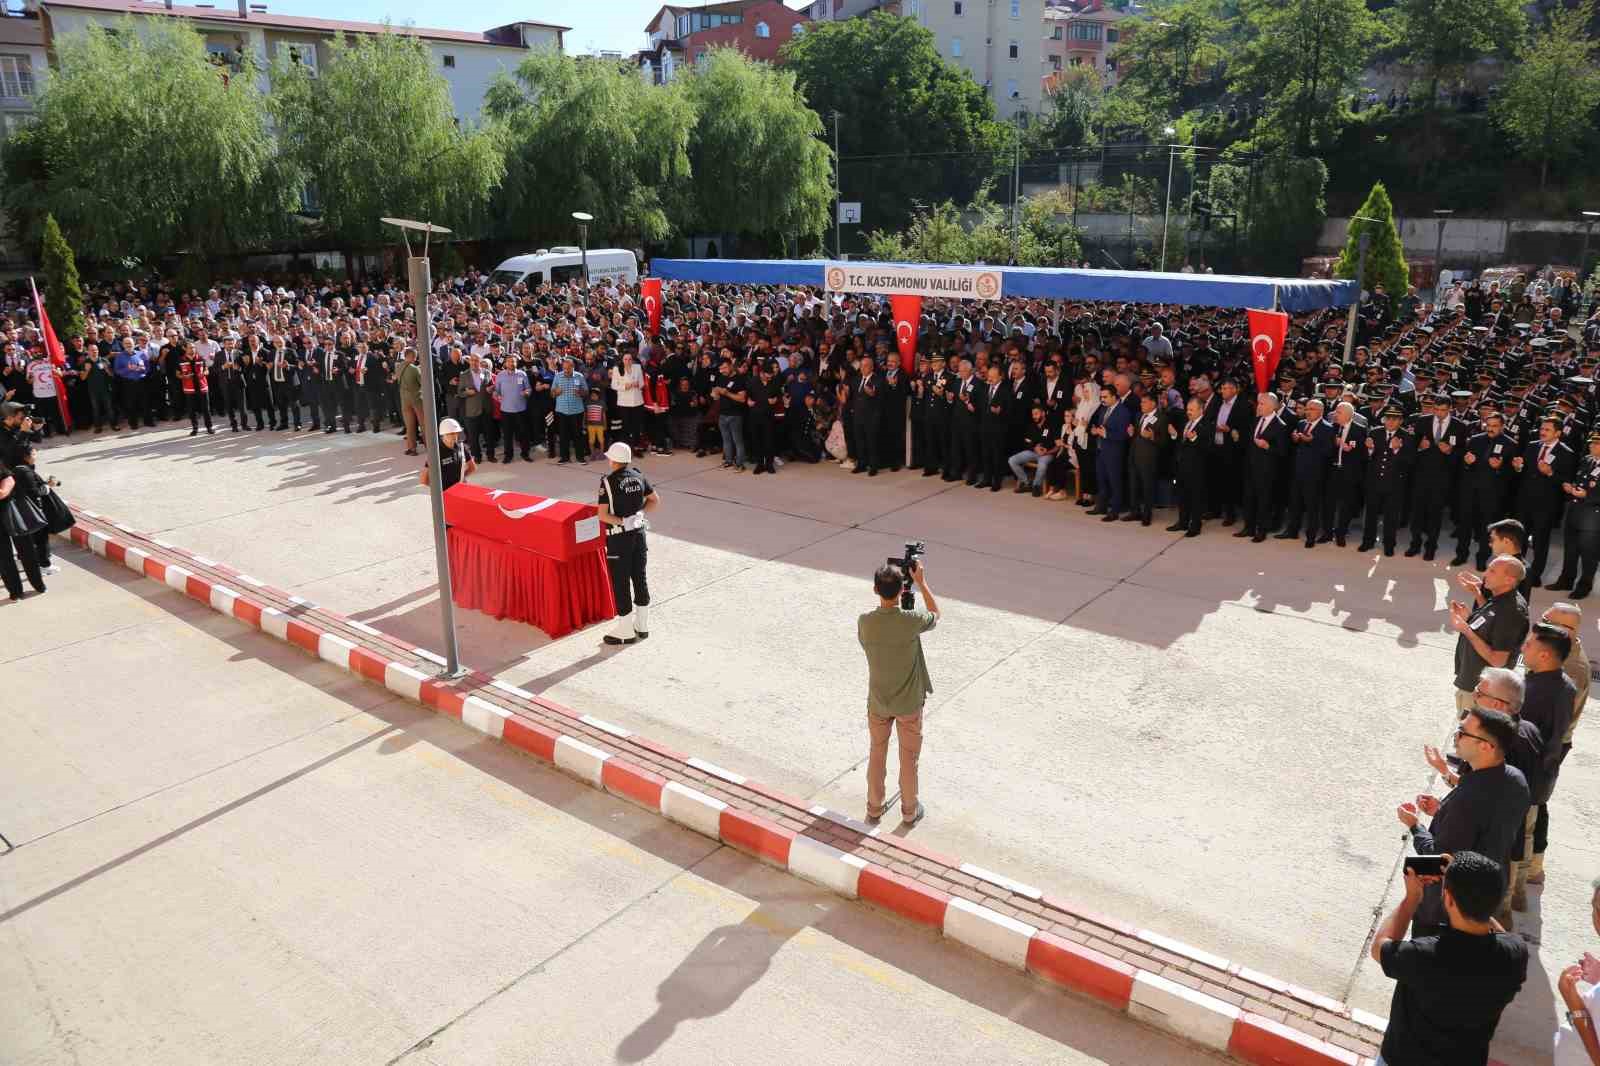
[838, 192]
[1361, 272]
[584, 218]
[421, 280]
[1016, 185]
[1443, 215]
[1166, 214]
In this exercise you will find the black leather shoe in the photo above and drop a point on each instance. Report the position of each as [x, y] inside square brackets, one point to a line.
[929, 473]
[1366, 545]
[1192, 533]
[1242, 533]
[1427, 555]
[1227, 521]
[1580, 592]
[1458, 559]
[1258, 538]
[1388, 550]
[1311, 542]
[1323, 538]
[1178, 527]
[1413, 551]
[1130, 517]
[1109, 516]
[1286, 535]
[1338, 541]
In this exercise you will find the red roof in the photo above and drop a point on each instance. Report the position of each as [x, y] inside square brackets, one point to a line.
[230, 13]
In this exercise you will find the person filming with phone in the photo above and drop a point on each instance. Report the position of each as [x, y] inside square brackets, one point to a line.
[1451, 985]
[897, 679]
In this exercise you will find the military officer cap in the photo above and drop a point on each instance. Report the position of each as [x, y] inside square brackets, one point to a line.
[1393, 411]
[1594, 436]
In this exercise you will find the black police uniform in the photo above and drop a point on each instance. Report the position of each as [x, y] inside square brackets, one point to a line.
[1388, 473]
[1580, 533]
[624, 492]
[452, 464]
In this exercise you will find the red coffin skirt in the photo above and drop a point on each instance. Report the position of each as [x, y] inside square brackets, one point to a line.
[507, 582]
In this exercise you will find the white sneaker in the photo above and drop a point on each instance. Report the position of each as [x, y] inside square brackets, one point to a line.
[51, 569]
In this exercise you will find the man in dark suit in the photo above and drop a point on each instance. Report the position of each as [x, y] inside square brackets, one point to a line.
[1313, 457]
[1391, 452]
[1268, 447]
[1112, 462]
[1485, 480]
[1226, 461]
[1349, 469]
[1150, 440]
[961, 460]
[865, 418]
[1440, 436]
[1544, 466]
[892, 423]
[1194, 441]
[994, 421]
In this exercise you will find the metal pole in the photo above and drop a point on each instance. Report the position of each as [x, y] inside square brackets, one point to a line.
[1438, 261]
[1016, 188]
[421, 284]
[1583, 257]
[1355, 305]
[1166, 214]
[583, 239]
[838, 192]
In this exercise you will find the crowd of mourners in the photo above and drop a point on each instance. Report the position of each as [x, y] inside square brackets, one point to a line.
[1468, 422]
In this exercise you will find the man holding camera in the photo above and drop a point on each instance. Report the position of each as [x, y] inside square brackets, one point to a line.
[1450, 987]
[897, 683]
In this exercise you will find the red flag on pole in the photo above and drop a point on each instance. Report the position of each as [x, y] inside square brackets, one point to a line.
[56, 353]
[650, 294]
[1267, 332]
[907, 317]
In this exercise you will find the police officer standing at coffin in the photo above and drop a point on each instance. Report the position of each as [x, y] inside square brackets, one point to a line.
[625, 496]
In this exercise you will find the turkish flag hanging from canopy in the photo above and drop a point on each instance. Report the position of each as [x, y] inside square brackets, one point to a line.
[1267, 332]
[650, 295]
[907, 317]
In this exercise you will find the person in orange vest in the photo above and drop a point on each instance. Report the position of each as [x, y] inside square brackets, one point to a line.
[192, 379]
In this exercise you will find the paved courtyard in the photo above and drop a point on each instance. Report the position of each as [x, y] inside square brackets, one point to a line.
[1202, 737]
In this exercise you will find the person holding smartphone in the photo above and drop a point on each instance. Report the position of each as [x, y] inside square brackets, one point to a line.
[1452, 985]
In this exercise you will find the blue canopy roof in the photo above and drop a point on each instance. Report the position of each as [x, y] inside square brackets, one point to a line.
[1046, 283]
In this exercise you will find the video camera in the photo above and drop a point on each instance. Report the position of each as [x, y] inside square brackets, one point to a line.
[915, 549]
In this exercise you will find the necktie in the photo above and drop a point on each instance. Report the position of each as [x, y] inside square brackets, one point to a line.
[1438, 429]
[1261, 427]
[1544, 454]
[1338, 459]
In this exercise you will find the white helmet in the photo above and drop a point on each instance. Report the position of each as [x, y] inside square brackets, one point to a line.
[449, 425]
[619, 453]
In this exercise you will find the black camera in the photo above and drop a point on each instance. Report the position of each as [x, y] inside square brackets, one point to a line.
[915, 549]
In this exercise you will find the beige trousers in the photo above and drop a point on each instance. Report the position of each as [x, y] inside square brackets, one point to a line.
[909, 728]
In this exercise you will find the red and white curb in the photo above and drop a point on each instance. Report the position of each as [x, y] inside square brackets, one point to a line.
[1144, 995]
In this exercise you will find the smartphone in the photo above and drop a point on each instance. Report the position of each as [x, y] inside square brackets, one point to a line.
[1426, 865]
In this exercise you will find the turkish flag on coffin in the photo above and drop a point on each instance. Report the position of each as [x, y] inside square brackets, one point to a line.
[907, 317]
[1267, 331]
[650, 296]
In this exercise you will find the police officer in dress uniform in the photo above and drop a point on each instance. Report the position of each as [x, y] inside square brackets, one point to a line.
[1580, 533]
[1391, 455]
[1486, 477]
[625, 496]
[1440, 436]
[1544, 466]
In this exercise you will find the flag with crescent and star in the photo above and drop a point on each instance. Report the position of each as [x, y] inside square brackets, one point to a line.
[907, 317]
[1267, 332]
[650, 296]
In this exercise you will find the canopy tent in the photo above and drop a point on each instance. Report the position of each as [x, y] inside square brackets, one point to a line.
[1047, 283]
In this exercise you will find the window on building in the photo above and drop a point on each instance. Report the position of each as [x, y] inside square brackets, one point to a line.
[799, 29]
[1055, 33]
[1111, 35]
[16, 76]
[1077, 61]
[955, 47]
[958, 7]
[763, 30]
[1055, 62]
[449, 62]
[1011, 89]
[1016, 9]
[1085, 31]
[701, 58]
[1111, 63]
[1014, 50]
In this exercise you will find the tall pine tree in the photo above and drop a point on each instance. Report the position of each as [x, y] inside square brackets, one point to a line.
[63, 296]
[1386, 259]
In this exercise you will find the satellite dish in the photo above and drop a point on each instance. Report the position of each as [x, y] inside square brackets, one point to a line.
[420, 227]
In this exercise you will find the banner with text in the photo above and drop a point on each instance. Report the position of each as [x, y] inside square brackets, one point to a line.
[961, 283]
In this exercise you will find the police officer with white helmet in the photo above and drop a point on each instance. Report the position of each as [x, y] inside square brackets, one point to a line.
[625, 496]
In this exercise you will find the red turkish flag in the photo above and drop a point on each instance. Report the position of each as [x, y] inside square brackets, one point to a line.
[57, 354]
[1267, 331]
[907, 317]
[650, 295]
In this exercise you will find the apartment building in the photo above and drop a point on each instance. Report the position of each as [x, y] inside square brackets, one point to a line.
[678, 36]
[22, 65]
[468, 60]
[1082, 33]
[996, 41]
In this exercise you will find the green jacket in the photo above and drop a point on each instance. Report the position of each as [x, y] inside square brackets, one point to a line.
[411, 382]
[897, 674]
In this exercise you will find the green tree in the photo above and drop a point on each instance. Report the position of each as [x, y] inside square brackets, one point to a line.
[1302, 58]
[1071, 110]
[1165, 59]
[757, 158]
[981, 232]
[1386, 259]
[1547, 101]
[63, 296]
[928, 123]
[141, 147]
[1441, 37]
[587, 135]
[375, 134]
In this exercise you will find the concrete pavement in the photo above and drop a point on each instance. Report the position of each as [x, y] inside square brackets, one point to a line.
[229, 852]
[1105, 693]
